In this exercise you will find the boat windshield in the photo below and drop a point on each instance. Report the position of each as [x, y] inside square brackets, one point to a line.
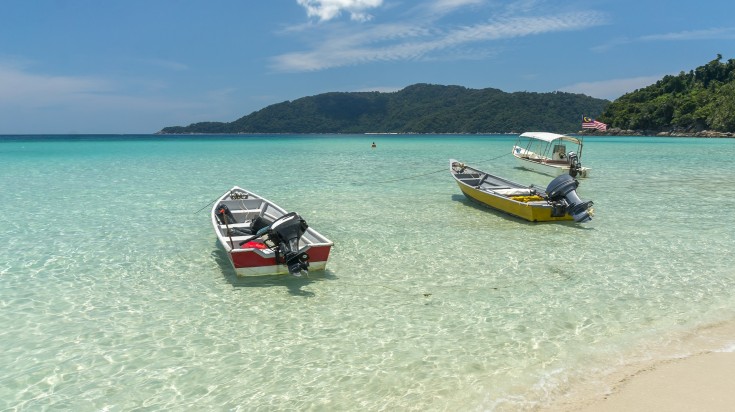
[547, 145]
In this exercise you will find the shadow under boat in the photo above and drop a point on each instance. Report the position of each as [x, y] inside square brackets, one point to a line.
[469, 202]
[294, 284]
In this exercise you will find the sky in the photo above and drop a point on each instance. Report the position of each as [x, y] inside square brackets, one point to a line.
[137, 66]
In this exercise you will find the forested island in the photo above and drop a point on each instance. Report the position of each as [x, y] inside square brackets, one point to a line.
[700, 102]
[420, 108]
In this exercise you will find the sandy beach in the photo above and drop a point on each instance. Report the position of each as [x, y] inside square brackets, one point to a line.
[703, 382]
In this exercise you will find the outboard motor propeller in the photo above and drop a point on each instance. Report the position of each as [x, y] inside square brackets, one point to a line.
[563, 189]
[574, 165]
[285, 233]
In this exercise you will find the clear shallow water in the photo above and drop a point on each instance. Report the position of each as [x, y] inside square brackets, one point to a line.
[114, 295]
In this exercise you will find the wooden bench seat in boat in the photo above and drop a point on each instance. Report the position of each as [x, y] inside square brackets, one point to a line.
[515, 191]
[243, 225]
[243, 218]
[467, 175]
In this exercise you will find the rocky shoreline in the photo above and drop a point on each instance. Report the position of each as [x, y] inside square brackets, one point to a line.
[622, 132]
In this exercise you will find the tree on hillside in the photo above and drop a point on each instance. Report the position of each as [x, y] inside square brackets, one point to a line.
[702, 99]
[420, 108]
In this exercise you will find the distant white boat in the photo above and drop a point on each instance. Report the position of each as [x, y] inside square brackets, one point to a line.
[547, 153]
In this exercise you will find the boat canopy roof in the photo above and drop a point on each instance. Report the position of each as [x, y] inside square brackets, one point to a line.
[550, 137]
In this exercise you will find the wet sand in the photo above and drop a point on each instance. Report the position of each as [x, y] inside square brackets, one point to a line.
[702, 382]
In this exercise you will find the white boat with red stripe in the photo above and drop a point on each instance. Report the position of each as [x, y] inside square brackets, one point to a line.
[261, 238]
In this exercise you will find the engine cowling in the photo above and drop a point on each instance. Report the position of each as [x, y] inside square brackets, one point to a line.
[563, 189]
[285, 234]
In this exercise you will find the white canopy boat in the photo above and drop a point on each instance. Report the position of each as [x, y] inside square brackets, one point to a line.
[261, 238]
[547, 153]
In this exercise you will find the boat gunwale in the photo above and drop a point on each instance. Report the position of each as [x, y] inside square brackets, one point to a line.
[514, 185]
[541, 145]
[533, 211]
[539, 138]
[321, 240]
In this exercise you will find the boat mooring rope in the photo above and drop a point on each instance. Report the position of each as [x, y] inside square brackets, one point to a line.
[214, 200]
[412, 293]
[444, 169]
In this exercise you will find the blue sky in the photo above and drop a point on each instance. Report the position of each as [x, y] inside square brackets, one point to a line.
[136, 66]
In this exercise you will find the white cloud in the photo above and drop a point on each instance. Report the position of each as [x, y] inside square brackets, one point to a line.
[381, 89]
[21, 88]
[43, 103]
[445, 6]
[707, 34]
[722, 33]
[611, 89]
[329, 9]
[412, 42]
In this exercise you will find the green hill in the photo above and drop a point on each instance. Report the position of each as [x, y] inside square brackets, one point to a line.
[703, 99]
[420, 108]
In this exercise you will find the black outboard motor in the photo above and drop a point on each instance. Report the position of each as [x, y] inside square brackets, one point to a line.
[223, 214]
[285, 233]
[574, 165]
[563, 189]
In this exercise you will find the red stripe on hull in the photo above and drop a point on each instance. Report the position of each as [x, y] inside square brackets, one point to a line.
[249, 259]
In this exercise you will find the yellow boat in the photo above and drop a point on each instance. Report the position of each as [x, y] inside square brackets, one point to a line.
[558, 202]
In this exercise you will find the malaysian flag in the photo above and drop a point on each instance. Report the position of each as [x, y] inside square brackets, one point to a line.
[588, 123]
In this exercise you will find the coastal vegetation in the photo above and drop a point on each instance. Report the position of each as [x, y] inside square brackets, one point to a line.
[702, 99]
[698, 102]
[420, 108]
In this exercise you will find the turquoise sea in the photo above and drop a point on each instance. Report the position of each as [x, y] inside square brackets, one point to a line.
[114, 295]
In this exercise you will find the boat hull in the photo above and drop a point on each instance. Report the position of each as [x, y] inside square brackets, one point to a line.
[525, 202]
[249, 251]
[525, 210]
[547, 168]
[547, 153]
[257, 262]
